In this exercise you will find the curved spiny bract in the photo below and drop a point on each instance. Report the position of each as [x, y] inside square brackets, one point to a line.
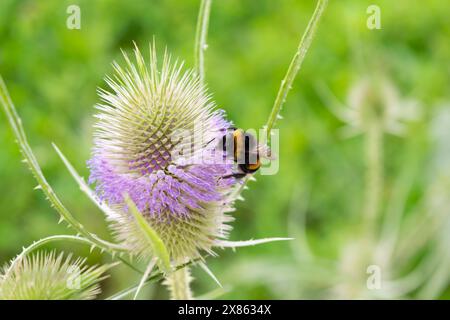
[48, 276]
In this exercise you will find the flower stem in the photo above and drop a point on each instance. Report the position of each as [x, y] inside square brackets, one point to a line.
[374, 174]
[294, 67]
[30, 159]
[178, 283]
[43, 241]
[200, 38]
[155, 276]
[68, 238]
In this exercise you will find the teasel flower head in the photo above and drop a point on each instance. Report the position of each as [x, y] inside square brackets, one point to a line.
[48, 276]
[374, 100]
[379, 98]
[144, 120]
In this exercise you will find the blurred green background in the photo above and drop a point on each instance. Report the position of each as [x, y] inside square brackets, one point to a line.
[319, 192]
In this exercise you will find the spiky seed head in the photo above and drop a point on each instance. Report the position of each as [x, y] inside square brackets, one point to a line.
[48, 276]
[184, 198]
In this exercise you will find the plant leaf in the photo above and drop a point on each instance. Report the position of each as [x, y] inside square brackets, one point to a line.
[210, 273]
[246, 243]
[144, 277]
[158, 246]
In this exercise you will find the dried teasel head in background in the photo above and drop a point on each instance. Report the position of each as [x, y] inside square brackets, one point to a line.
[372, 100]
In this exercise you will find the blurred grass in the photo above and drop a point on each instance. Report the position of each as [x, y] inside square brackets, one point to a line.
[52, 74]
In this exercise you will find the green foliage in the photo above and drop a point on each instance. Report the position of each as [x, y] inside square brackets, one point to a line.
[52, 74]
[154, 241]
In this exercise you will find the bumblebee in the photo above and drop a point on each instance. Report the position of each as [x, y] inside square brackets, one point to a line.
[243, 148]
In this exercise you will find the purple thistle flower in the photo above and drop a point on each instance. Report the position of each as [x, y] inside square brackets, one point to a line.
[184, 198]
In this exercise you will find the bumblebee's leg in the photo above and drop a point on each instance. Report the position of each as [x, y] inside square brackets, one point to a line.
[207, 144]
[237, 175]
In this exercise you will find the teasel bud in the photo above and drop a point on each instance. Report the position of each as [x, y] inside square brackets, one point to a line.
[48, 276]
[184, 199]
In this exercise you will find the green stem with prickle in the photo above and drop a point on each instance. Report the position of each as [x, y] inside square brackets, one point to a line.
[296, 63]
[19, 132]
[374, 174]
[200, 38]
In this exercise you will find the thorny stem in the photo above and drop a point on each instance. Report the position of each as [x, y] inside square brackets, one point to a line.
[178, 283]
[156, 276]
[42, 242]
[200, 38]
[16, 125]
[37, 244]
[294, 67]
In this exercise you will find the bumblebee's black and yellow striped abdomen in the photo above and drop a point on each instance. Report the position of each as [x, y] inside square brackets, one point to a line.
[242, 146]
